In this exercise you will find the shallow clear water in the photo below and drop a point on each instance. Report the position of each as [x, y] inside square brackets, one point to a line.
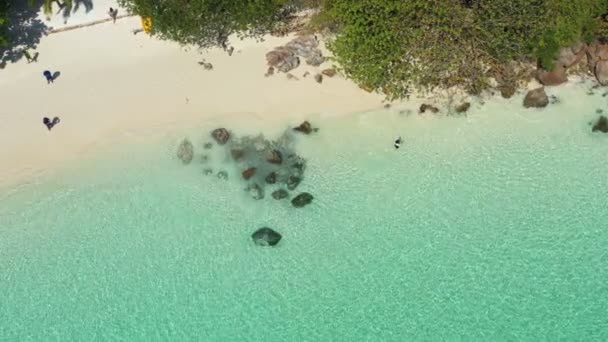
[489, 227]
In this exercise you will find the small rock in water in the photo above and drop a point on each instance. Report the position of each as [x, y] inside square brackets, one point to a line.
[207, 172]
[424, 107]
[462, 108]
[601, 125]
[221, 135]
[248, 173]
[204, 158]
[266, 237]
[302, 200]
[208, 145]
[271, 178]
[304, 127]
[306, 74]
[291, 77]
[599, 111]
[185, 151]
[237, 153]
[280, 194]
[293, 182]
[222, 175]
[256, 191]
[274, 157]
[319, 78]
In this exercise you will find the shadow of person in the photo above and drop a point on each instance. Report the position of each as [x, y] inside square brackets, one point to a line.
[56, 75]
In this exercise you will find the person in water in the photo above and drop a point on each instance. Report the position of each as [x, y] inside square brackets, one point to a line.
[398, 142]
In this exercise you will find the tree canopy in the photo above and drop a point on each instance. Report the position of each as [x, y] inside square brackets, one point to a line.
[208, 22]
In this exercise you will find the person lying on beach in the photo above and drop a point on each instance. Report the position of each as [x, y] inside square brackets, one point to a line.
[398, 142]
[50, 123]
[49, 77]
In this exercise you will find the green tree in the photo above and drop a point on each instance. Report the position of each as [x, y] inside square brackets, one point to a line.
[208, 22]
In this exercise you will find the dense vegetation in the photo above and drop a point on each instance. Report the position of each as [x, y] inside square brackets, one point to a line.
[209, 22]
[389, 45]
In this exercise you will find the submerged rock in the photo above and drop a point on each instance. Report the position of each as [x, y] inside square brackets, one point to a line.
[601, 125]
[293, 182]
[304, 127]
[536, 98]
[280, 194]
[222, 175]
[249, 172]
[237, 153]
[221, 135]
[207, 171]
[302, 200]
[208, 146]
[266, 237]
[185, 151]
[271, 178]
[256, 191]
[274, 157]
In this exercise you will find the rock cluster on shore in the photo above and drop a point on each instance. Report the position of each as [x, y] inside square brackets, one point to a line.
[286, 58]
[259, 162]
[592, 58]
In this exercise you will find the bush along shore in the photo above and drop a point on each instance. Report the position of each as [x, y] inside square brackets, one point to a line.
[395, 47]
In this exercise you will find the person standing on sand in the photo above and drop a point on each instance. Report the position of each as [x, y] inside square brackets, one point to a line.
[49, 77]
[113, 14]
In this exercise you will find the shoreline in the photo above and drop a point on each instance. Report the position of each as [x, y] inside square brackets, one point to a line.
[149, 84]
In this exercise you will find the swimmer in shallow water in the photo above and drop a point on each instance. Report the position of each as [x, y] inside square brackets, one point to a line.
[398, 142]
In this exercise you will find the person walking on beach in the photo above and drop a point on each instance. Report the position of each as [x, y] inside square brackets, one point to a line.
[49, 77]
[113, 14]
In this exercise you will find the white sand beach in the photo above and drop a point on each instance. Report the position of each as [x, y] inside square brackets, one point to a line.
[114, 83]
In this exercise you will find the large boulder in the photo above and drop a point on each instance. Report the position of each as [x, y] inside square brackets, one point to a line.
[283, 59]
[536, 98]
[304, 127]
[570, 56]
[302, 200]
[554, 77]
[601, 72]
[307, 47]
[248, 173]
[185, 151]
[266, 237]
[600, 125]
[221, 135]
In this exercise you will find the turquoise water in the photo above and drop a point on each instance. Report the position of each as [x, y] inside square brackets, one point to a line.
[487, 227]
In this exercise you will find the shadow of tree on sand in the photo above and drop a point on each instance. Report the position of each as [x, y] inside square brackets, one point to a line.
[24, 30]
